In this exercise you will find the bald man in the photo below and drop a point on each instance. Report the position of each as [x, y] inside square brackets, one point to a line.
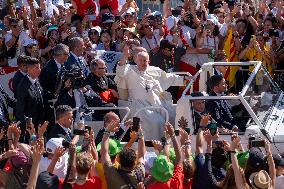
[108, 118]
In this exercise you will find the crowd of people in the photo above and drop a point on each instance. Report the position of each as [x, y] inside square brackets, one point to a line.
[44, 141]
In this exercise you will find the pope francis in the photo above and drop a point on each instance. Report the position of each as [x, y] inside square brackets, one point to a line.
[146, 86]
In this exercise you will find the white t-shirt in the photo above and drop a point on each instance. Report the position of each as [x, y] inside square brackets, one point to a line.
[60, 168]
[188, 34]
[152, 43]
[279, 182]
[24, 36]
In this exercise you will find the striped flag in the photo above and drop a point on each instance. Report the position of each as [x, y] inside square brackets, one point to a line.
[230, 49]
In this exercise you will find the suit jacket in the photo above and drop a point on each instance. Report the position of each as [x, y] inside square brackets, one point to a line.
[100, 135]
[58, 132]
[29, 102]
[72, 63]
[100, 84]
[16, 80]
[48, 78]
[220, 111]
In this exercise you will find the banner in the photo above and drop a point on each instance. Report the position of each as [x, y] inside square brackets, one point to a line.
[6, 78]
[110, 57]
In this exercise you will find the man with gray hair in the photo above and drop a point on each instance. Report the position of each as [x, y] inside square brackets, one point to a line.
[100, 83]
[76, 59]
[49, 73]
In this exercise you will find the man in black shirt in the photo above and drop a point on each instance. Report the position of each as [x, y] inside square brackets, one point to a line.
[168, 56]
[100, 83]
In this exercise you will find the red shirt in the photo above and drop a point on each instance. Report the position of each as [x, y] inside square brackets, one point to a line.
[113, 4]
[84, 8]
[93, 182]
[188, 184]
[176, 182]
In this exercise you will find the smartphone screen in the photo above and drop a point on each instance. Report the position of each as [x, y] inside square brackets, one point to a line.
[149, 143]
[136, 122]
[79, 132]
[257, 143]
[177, 132]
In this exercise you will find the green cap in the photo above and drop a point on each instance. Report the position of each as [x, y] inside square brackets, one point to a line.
[114, 147]
[162, 169]
[172, 154]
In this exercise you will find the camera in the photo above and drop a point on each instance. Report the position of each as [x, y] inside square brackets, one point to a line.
[76, 77]
[65, 144]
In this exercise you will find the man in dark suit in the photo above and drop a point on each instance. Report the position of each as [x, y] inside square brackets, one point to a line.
[20, 74]
[75, 60]
[100, 83]
[5, 102]
[112, 117]
[64, 121]
[220, 110]
[29, 96]
[49, 74]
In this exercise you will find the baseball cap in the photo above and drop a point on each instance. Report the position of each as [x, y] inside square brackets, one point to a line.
[53, 143]
[107, 18]
[30, 42]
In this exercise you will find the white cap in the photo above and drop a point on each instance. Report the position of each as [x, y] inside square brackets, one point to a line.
[131, 10]
[213, 18]
[171, 22]
[53, 143]
[29, 41]
[97, 28]
[156, 13]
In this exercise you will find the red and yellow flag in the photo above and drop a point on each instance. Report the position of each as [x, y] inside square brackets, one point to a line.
[230, 49]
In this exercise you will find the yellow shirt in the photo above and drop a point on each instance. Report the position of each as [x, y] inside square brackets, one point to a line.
[101, 173]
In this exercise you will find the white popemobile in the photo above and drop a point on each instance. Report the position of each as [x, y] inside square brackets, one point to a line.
[261, 97]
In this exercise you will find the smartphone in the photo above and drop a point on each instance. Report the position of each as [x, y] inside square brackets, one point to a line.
[65, 144]
[176, 13]
[136, 124]
[149, 143]
[88, 128]
[73, 29]
[79, 132]
[187, 130]
[177, 132]
[163, 141]
[212, 128]
[117, 18]
[46, 154]
[29, 122]
[92, 17]
[257, 143]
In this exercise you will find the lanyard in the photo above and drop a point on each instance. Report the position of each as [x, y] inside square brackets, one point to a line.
[149, 43]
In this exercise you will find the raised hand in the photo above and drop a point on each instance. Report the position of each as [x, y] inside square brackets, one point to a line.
[169, 129]
[42, 128]
[59, 151]
[184, 137]
[112, 126]
[157, 145]
[37, 152]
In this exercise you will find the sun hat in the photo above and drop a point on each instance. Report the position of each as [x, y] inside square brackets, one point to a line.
[213, 18]
[260, 180]
[162, 169]
[114, 147]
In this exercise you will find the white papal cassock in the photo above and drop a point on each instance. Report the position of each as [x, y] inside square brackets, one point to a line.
[147, 88]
